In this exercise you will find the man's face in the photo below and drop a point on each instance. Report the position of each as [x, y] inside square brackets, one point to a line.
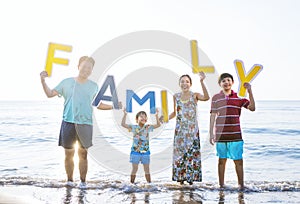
[85, 69]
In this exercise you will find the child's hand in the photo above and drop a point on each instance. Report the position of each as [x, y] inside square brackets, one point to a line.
[247, 86]
[202, 76]
[161, 119]
[120, 105]
[124, 111]
[43, 75]
[157, 111]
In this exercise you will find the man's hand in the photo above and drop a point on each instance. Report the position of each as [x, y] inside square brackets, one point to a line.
[43, 75]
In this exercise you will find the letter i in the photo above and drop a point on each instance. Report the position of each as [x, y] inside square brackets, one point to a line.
[164, 105]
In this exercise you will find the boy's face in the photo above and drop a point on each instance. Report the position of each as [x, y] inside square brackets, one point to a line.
[226, 83]
[142, 119]
[85, 69]
[185, 84]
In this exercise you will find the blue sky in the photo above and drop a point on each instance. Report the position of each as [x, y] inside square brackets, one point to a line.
[256, 32]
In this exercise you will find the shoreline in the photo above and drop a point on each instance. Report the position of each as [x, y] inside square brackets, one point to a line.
[29, 194]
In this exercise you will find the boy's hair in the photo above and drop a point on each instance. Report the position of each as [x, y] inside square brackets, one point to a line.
[185, 75]
[86, 58]
[223, 76]
[140, 113]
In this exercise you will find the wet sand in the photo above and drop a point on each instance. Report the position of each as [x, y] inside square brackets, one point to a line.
[6, 198]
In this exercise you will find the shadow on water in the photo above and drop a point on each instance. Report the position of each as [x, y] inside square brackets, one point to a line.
[69, 196]
[134, 199]
[222, 199]
[187, 196]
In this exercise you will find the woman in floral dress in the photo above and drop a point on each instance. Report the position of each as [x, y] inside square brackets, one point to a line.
[186, 150]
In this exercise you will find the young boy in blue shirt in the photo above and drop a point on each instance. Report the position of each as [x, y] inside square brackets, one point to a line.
[140, 151]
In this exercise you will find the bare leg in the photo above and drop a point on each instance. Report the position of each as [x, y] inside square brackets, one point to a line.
[221, 171]
[133, 172]
[69, 163]
[239, 172]
[147, 172]
[83, 163]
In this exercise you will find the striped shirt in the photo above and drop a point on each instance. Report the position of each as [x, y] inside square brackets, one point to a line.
[228, 110]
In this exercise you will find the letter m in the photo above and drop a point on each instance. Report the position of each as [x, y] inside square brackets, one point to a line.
[130, 95]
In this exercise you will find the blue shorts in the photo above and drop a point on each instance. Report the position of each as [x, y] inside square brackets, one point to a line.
[230, 150]
[136, 158]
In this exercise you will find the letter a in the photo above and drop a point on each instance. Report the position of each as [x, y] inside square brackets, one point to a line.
[109, 81]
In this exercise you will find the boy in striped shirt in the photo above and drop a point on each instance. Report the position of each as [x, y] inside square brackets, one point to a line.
[225, 128]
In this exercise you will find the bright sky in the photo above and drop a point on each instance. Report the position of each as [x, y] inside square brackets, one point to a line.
[256, 32]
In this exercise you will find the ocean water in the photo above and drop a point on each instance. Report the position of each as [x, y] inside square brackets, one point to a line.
[32, 165]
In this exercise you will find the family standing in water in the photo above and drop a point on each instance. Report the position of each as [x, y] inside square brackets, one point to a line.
[224, 130]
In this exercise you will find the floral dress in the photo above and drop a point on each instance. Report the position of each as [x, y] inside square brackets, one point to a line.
[186, 150]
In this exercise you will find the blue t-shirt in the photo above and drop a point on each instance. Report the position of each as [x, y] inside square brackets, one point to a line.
[78, 100]
[140, 141]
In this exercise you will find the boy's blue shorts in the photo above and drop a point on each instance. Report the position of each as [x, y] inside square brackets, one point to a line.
[230, 150]
[136, 158]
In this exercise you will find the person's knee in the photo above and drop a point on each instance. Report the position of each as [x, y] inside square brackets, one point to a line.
[133, 172]
[82, 154]
[69, 154]
[134, 169]
[146, 168]
[238, 162]
[222, 161]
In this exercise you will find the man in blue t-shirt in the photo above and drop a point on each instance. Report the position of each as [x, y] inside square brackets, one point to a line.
[78, 93]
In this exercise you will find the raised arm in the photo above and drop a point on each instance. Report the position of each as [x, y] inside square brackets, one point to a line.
[124, 120]
[157, 120]
[251, 105]
[49, 92]
[205, 96]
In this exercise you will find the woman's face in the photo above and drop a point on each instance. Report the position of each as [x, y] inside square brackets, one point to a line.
[185, 84]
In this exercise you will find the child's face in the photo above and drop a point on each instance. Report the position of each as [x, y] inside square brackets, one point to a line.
[226, 83]
[85, 69]
[185, 84]
[142, 119]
